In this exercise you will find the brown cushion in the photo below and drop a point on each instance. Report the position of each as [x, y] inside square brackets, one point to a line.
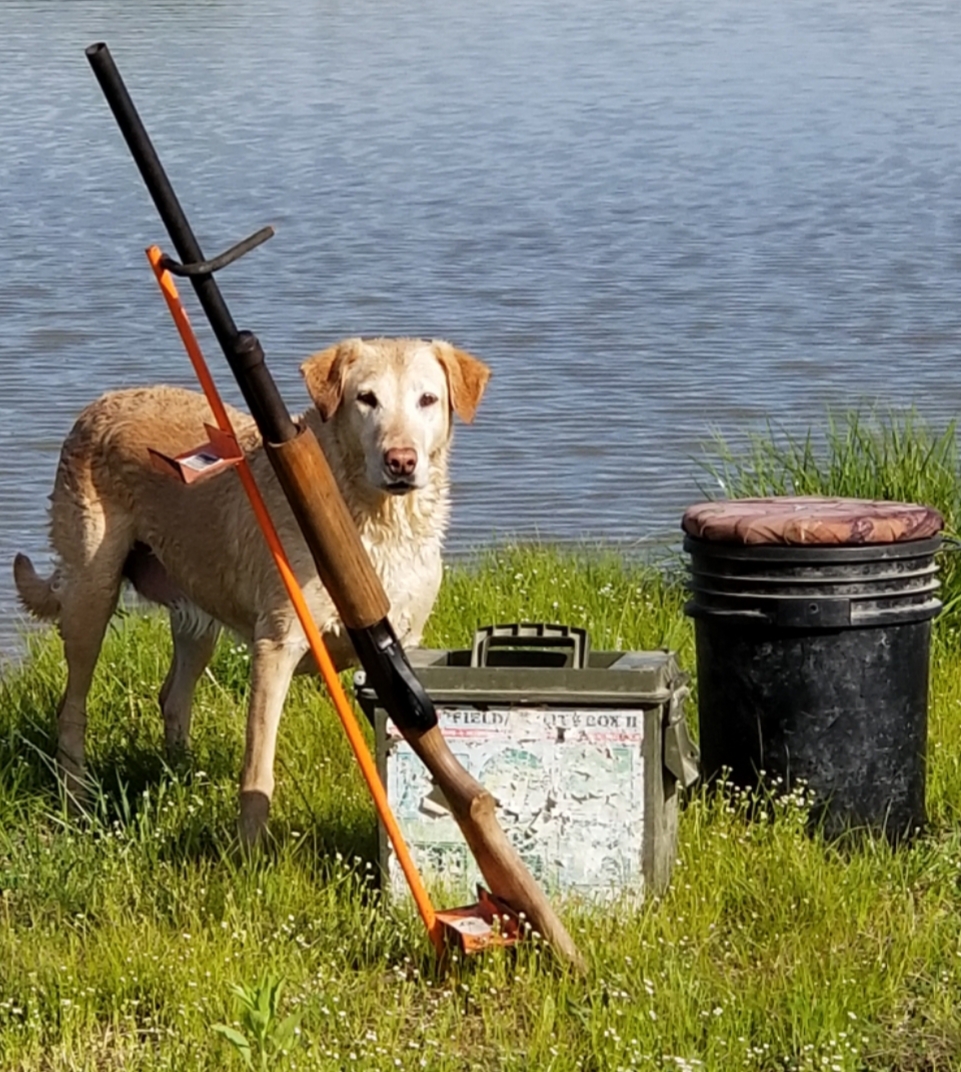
[810, 519]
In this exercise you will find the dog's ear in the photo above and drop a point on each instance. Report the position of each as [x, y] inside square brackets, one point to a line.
[324, 375]
[466, 378]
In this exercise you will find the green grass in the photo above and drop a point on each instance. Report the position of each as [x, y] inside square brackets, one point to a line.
[127, 938]
[861, 455]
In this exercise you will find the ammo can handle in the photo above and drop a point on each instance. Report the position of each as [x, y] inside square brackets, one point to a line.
[531, 636]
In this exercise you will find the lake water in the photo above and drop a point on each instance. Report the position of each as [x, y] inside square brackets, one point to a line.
[650, 219]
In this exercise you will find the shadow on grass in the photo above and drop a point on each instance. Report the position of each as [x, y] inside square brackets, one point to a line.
[193, 799]
[182, 810]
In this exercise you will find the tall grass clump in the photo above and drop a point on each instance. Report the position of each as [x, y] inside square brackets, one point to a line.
[893, 456]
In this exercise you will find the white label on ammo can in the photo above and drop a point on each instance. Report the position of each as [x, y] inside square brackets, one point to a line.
[570, 790]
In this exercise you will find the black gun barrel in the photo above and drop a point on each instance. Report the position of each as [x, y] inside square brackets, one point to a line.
[241, 348]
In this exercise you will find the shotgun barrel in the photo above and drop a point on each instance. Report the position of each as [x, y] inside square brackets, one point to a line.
[242, 351]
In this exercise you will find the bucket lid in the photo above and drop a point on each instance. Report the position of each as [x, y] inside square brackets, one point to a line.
[810, 519]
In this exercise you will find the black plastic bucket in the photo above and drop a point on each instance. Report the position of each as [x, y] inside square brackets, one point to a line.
[812, 665]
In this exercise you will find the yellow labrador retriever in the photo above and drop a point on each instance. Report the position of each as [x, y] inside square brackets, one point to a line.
[382, 412]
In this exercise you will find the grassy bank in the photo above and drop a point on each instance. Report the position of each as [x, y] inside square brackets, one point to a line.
[123, 940]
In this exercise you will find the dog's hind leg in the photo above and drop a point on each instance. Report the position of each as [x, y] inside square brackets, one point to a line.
[274, 662]
[92, 537]
[87, 602]
[193, 647]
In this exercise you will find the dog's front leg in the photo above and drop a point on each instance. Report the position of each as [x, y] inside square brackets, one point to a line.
[273, 666]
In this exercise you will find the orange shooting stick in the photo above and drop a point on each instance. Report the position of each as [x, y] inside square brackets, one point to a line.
[317, 646]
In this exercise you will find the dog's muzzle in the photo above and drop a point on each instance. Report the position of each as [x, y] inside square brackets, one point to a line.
[400, 465]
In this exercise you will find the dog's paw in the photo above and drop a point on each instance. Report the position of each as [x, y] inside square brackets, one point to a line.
[254, 812]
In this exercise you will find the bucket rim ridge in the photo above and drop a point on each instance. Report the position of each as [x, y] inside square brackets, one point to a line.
[813, 554]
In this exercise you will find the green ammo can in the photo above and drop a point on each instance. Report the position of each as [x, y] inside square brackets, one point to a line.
[583, 750]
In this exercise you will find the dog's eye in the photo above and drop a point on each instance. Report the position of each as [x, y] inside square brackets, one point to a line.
[368, 398]
[427, 399]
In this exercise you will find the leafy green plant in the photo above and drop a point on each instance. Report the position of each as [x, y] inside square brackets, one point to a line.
[265, 1036]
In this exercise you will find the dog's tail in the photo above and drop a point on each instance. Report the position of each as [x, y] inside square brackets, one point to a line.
[37, 594]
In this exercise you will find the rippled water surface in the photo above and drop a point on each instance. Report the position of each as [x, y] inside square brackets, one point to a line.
[650, 219]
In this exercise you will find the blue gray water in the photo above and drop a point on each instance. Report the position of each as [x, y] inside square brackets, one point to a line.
[651, 219]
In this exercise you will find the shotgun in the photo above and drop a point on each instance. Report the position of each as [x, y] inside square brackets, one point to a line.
[334, 543]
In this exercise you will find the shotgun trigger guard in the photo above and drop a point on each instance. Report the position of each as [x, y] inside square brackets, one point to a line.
[222, 260]
[390, 675]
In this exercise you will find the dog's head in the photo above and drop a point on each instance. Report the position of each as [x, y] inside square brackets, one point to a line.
[394, 398]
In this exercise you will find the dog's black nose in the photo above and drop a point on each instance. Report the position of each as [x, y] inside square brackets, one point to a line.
[401, 461]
